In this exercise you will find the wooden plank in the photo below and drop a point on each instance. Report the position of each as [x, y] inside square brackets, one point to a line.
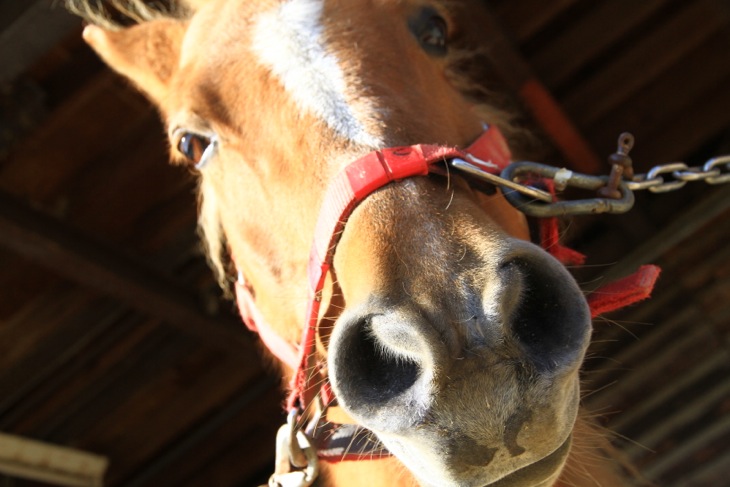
[52, 244]
[525, 18]
[39, 461]
[517, 74]
[33, 33]
[19, 341]
[711, 368]
[702, 433]
[22, 107]
[21, 281]
[249, 418]
[176, 398]
[118, 186]
[684, 226]
[677, 137]
[686, 269]
[41, 166]
[10, 11]
[59, 387]
[658, 107]
[150, 350]
[712, 471]
[639, 66]
[601, 27]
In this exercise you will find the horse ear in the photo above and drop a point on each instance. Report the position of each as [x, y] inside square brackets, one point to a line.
[147, 53]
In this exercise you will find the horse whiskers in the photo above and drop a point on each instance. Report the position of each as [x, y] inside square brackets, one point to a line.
[606, 340]
[596, 391]
[451, 200]
[619, 325]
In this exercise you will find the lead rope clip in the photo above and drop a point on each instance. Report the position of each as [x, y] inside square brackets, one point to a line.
[296, 464]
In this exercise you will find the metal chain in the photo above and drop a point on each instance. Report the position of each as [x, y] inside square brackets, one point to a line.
[714, 171]
[614, 192]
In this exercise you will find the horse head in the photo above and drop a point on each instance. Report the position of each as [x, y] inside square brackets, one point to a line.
[446, 333]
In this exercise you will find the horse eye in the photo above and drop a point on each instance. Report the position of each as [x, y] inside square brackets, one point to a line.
[431, 31]
[196, 148]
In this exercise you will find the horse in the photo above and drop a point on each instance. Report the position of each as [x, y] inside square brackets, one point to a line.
[440, 328]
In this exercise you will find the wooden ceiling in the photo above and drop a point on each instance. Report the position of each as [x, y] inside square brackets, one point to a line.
[113, 338]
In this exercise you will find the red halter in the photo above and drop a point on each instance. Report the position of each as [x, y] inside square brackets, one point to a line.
[358, 180]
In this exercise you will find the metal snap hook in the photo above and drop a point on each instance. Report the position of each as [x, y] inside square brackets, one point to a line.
[541, 209]
[296, 463]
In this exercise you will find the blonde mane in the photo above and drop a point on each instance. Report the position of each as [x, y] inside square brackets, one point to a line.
[116, 14]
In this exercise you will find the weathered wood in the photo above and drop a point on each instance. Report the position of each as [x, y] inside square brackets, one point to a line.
[42, 165]
[151, 350]
[518, 75]
[97, 145]
[50, 243]
[640, 65]
[40, 461]
[60, 331]
[682, 227]
[660, 106]
[525, 18]
[251, 417]
[33, 33]
[676, 138]
[176, 397]
[602, 27]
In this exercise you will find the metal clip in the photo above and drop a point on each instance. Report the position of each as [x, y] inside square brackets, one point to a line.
[532, 207]
[296, 464]
[476, 171]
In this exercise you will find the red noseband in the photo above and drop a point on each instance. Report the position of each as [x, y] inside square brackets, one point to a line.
[351, 186]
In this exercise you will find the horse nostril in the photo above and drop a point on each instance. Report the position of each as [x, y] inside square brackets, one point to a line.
[550, 317]
[379, 368]
[371, 370]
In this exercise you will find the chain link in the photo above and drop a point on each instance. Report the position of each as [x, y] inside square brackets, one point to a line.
[714, 171]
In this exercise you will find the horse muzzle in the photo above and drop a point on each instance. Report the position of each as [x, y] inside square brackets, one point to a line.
[479, 385]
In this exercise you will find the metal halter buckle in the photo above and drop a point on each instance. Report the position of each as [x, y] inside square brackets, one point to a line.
[297, 464]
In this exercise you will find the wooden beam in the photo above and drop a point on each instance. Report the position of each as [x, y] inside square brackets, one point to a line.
[52, 244]
[33, 33]
[685, 225]
[647, 60]
[518, 75]
[54, 464]
[527, 18]
[241, 405]
[585, 40]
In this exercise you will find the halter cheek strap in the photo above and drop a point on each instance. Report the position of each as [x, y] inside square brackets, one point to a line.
[254, 321]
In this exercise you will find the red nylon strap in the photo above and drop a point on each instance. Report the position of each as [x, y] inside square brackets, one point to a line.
[629, 290]
[347, 190]
[254, 321]
[357, 181]
[616, 295]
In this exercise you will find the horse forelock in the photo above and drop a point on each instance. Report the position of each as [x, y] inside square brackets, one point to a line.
[115, 14]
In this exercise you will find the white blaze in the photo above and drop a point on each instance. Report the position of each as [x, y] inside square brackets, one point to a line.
[289, 40]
